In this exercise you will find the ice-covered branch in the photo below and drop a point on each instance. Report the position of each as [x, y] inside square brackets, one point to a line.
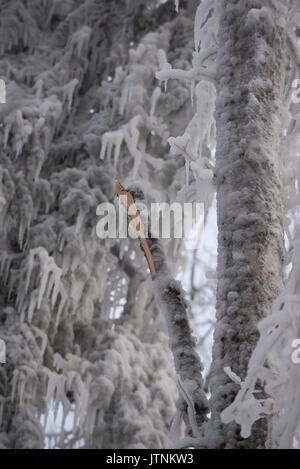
[202, 73]
[170, 299]
[205, 29]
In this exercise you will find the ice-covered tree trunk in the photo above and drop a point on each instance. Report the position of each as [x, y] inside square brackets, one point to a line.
[250, 74]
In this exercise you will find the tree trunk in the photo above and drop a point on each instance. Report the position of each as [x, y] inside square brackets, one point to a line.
[250, 73]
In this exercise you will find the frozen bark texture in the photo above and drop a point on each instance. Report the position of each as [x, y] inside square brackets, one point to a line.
[250, 74]
[170, 299]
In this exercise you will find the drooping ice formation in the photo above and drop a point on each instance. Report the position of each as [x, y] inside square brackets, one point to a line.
[78, 315]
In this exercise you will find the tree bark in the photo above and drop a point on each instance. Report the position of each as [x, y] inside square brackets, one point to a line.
[250, 73]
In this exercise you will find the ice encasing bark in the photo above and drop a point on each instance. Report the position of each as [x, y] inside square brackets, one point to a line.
[170, 299]
[250, 75]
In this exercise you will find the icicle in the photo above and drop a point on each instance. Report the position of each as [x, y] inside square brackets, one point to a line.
[62, 304]
[61, 242]
[187, 172]
[6, 260]
[56, 289]
[38, 86]
[119, 137]
[43, 285]
[32, 305]
[197, 28]
[162, 58]
[154, 98]
[79, 221]
[22, 228]
[6, 135]
[234, 377]
[21, 388]
[20, 299]
[69, 92]
[79, 282]
[40, 334]
[50, 286]
[124, 97]
[14, 385]
[114, 139]
[192, 91]
[105, 140]
[41, 158]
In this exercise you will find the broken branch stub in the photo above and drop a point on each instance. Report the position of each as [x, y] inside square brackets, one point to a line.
[133, 214]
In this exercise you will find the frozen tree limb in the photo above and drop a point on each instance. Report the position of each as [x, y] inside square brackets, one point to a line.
[170, 299]
[190, 75]
[171, 302]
